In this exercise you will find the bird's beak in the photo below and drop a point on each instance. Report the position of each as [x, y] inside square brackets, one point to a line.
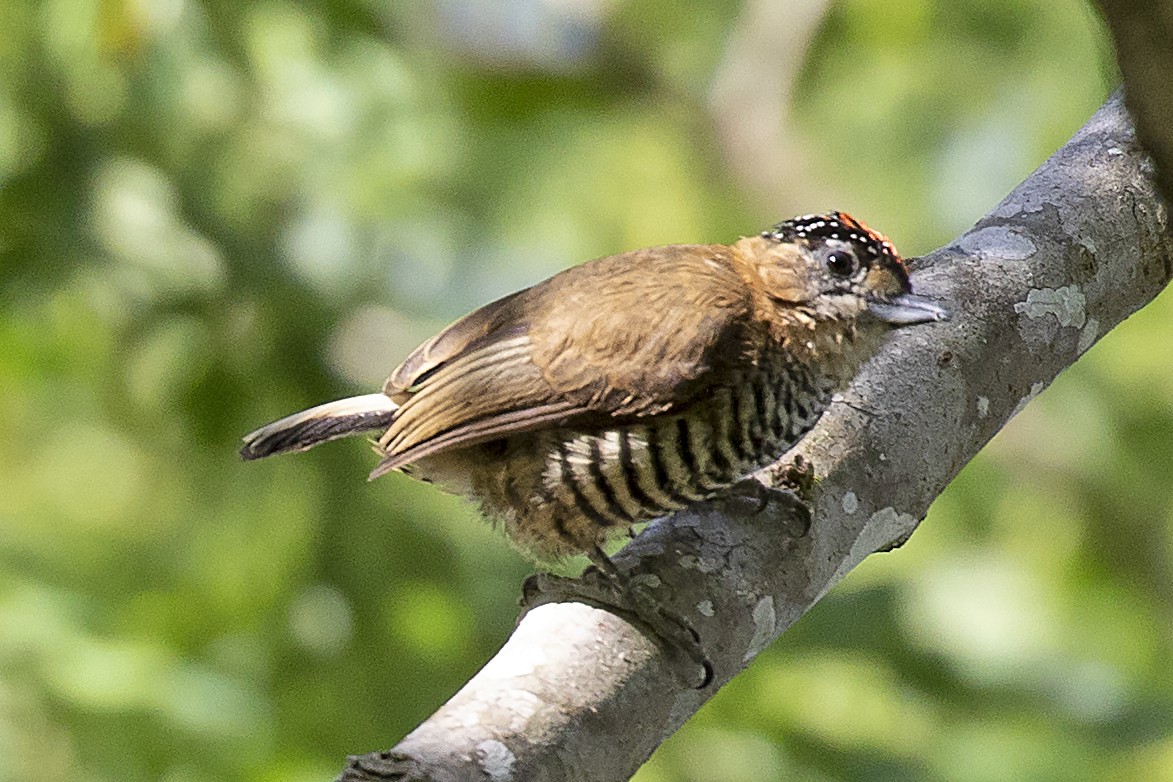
[906, 309]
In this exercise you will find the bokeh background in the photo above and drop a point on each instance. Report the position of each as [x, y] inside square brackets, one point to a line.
[213, 213]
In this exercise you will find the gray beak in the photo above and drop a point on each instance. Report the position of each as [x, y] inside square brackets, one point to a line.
[906, 310]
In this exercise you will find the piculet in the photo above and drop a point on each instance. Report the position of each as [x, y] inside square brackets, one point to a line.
[631, 386]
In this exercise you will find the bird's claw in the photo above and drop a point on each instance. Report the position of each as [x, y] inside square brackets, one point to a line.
[604, 586]
[762, 496]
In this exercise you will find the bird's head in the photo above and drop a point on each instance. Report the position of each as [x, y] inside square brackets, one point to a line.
[836, 268]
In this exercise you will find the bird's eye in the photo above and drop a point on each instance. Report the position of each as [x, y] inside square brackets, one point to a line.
[841, 263]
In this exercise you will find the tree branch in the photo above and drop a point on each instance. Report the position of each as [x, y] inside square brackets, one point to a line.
[577, 693]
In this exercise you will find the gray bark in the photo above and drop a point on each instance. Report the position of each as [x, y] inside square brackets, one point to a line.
[577, 693]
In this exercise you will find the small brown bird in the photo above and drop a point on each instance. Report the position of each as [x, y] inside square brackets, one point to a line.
[631, 386]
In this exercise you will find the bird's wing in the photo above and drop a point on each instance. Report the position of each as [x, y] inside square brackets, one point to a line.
[625, 336]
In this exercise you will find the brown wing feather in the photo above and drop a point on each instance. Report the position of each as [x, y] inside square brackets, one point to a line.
[475, 385]
[475, 432]
[487, 324]
[641, 333]
[628, 335]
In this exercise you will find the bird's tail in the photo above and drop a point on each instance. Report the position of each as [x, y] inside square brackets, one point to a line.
[304, 430]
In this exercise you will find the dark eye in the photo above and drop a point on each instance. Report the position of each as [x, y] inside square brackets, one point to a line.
[841, 263]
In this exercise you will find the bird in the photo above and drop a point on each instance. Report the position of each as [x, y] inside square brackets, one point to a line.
[632, 386]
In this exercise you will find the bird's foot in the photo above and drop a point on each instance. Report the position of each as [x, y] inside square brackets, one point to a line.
[797, 475]
[756, 497]
[628, 596]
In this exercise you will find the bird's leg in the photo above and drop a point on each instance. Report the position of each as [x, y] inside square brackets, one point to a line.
[793, 489]
[798, 475]
[670, 629]
[605, 586]
[604, 564]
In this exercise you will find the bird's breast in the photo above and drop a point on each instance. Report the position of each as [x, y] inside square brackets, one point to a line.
[560, 491]
[647, 469]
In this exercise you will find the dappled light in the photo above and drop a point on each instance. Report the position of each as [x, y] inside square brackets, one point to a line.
[213, 213]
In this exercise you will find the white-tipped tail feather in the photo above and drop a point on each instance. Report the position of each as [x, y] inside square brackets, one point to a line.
[304, 430]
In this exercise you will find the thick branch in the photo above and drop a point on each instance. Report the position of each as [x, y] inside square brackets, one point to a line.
[579, 694]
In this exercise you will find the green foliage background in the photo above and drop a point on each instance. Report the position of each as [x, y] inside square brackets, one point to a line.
[214, 213]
